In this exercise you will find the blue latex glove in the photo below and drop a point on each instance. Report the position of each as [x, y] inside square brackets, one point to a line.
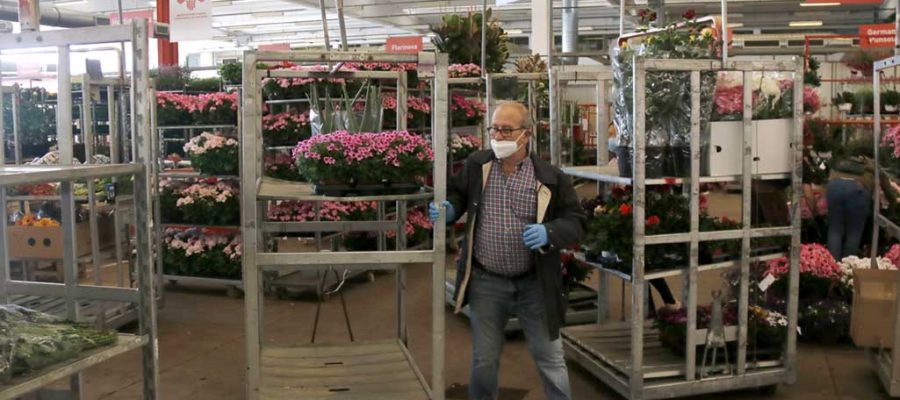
[535, 236]
[434, 212]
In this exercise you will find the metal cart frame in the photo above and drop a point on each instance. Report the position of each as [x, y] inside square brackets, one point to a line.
[256, 261]
[680, 378]
[67, 173]
[602, 77]
[886, 362]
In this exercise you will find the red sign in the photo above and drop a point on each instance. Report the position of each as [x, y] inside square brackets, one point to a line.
[877, 35]
[131, 15]
[275, 47]
[404, 44]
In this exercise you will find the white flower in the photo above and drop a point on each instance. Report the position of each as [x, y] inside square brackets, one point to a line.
[770, 87]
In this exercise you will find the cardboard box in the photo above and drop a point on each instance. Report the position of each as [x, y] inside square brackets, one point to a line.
[874, 307]
[46, 243]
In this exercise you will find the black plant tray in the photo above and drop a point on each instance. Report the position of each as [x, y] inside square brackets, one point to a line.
[344, 190]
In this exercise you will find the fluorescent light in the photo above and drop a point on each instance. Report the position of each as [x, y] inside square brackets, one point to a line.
[800, 24]
[70, 2]
[513, 31]
[735, 24]
[151, 3]
[819, 4]
[585, 28]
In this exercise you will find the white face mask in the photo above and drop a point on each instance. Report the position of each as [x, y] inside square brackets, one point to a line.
[505, 148]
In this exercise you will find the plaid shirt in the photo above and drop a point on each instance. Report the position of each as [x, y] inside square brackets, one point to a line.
[508, 204]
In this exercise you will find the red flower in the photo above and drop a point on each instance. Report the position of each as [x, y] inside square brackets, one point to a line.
[689, 14]
[652, 221]
[212, 180]
[625, 209]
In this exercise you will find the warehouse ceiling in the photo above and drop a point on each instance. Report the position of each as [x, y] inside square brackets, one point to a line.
[371, 21]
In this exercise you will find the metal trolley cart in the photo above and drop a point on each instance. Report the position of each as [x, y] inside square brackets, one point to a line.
[77, 296]
[885, 361]
[382, 369]
[613, 351]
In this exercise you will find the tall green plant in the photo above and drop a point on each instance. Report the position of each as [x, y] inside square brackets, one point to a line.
[37, 118]
[334, 114]
[231, 73]
[460, 37]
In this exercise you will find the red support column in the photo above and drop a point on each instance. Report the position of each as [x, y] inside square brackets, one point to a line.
[168, 51]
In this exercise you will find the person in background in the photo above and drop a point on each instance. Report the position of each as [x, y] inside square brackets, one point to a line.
[849, 196]
[521, 213]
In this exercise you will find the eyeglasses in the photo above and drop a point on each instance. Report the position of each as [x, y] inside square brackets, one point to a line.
[504, 132]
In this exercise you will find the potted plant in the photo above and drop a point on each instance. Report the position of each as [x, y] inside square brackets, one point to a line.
[844, 101]
[460, 37]
[213, 154]
[865, 102]
[286, 129]
[209, 202]
[343, 163]
[281, 166]
[191, 252]
[231, 73]
[891, 100]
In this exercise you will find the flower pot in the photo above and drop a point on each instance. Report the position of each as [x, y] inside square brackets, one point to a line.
[654, 167]
[890, 109]
[845, 107]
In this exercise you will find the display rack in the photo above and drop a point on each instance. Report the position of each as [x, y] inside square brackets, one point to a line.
[74, 293]
[112, 315]
[276, 371]
[318, 280]
[613, 351]
[885, 361]
[234, 287]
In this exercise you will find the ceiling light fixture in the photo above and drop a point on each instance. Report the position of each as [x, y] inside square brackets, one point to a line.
[804, 24]
[807, 4]
[735, 24]
[70, 2]
[585, 28]
[269, 14]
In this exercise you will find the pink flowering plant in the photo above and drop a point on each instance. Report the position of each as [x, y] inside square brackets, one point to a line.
[463, 145]
[213, 154]
[286, 128]
[811, 101]
[205, 109]
[281, 166]
[772, 97]
[191, 252]
[364, 158]
[464, 71]
[418, 110]
[890, 145]
[466, 111]
[207, 202]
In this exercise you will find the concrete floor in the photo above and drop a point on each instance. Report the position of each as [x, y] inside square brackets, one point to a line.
[202, 348]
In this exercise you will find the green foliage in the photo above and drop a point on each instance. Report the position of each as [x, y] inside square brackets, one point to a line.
[231, 73]
[460, 37]
[37, 119]
[204, 85]
[811, 77]
[171, 77]
[890, 98]
[843, 98]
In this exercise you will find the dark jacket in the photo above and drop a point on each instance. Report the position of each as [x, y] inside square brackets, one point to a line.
[558, 209]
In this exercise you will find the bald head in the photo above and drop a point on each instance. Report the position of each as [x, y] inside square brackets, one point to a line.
[512, 114]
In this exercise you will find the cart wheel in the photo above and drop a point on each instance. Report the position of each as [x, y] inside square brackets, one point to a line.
[370, 276]
[768, 390]
[233, 292]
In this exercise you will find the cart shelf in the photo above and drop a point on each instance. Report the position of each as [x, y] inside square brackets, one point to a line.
[678, 271]
[610, 174]
[341, 372]
[26, 174]
[25, 384]
[276, 189]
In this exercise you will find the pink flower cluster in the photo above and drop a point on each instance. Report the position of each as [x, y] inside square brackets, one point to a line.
[892, 139]
[289, 82]
[464, 71]
[194, 242]
[383, 66]
[208, 141]
[207, 102]
[815, 259]
[416, 220]
[302, 211]
[413, 103]
[464, 142]
[205, 191]
[473, 108]
[811, 102]
[281, 121]
[893, 254]
[279, 160]
[357, 147]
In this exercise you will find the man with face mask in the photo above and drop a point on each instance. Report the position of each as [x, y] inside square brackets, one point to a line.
[521, 213]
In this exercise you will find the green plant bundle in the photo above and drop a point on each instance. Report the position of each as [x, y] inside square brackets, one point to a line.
[890, 98]
[231, 73]
[171, 77]
[30, 340]
[37, 117]
[460, 37]
[811, 77]
[204, 85]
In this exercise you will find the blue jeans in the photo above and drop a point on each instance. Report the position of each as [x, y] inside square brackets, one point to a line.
[492, 301]
[849, 205]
